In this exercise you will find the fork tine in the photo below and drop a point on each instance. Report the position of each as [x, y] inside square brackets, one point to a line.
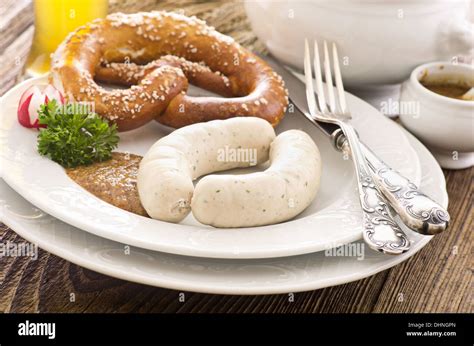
[328, 77]
[319, 79]
[311, 99]
[338, 78]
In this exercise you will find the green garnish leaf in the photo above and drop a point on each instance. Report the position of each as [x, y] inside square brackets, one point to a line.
[73, 139]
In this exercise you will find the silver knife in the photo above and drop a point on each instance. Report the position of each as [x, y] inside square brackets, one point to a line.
[417, 211]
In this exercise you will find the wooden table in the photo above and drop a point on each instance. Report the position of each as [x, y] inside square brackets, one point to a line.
[436, 279]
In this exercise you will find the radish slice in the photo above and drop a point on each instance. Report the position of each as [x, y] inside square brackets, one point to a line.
[32, 99]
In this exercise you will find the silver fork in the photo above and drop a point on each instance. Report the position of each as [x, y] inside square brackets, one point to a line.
[380, 231]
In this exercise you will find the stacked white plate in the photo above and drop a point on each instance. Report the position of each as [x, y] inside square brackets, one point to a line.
[40, 203]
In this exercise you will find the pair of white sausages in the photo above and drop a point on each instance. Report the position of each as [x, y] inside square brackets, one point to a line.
[286, 188]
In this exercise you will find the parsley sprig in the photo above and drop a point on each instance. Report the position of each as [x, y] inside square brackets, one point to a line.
[72, 139]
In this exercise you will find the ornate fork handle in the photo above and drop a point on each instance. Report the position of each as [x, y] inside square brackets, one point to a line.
[380, 231]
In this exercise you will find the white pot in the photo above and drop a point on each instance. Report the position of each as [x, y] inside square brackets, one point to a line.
[445, 125]
[381, 41]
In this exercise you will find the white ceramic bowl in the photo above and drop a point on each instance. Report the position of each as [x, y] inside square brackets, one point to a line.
[381, 42]
[444, 124]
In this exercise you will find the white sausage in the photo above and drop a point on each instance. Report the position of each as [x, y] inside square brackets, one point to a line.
[166, 173]
[277, 194]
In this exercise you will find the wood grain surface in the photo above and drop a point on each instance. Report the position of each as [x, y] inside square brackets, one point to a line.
[437, 279]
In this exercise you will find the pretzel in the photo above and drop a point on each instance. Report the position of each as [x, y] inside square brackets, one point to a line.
[156, 54]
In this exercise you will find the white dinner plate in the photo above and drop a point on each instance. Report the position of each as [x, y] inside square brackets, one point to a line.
[333, 218]
[224, 276]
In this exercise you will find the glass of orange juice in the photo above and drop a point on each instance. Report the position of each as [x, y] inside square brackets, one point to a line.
[54, 19]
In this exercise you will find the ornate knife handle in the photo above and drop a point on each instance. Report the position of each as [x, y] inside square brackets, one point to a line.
[380, 231]
[416, 210]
